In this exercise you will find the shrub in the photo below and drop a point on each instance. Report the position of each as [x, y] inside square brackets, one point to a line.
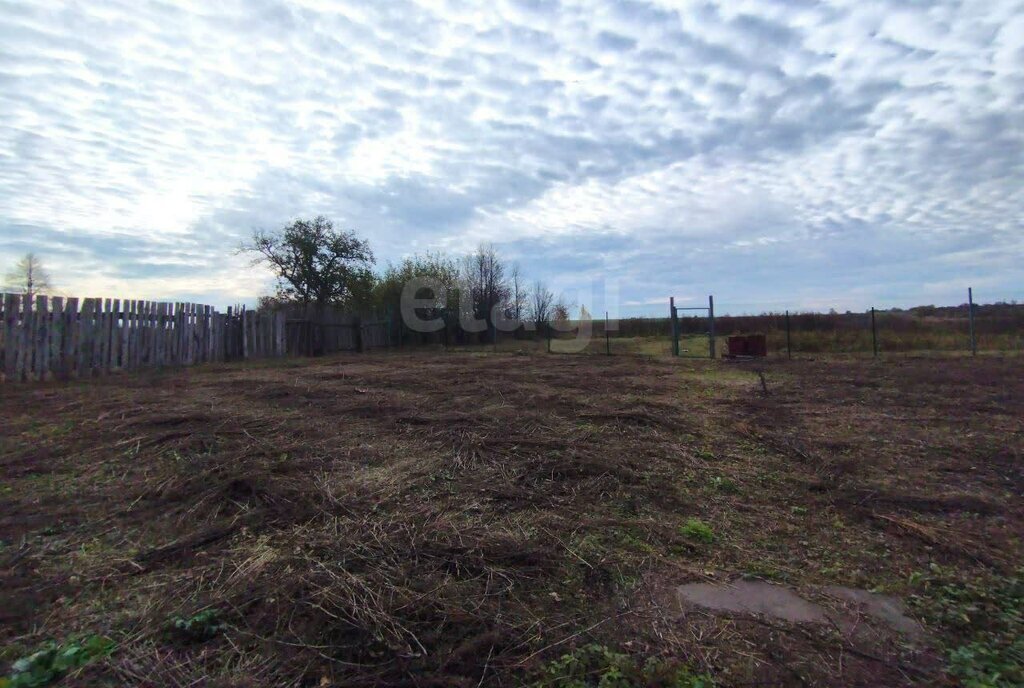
[982, 621]
[52, 661]
[696, 529]
[200, 627]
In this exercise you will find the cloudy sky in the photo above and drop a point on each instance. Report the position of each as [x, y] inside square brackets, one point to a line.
[777, 154]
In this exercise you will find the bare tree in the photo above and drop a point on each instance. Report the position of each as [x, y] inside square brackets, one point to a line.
[29, 277]
[541, 304]
[519, 296]
[485, 282]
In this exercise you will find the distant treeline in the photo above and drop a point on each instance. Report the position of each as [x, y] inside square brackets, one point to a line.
[996, 318]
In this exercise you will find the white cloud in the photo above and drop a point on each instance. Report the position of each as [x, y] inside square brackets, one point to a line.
[585, 135]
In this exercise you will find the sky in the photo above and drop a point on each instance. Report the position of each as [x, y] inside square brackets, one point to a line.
[779, 155]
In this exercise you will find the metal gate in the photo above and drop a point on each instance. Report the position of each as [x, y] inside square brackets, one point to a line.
[707, 321]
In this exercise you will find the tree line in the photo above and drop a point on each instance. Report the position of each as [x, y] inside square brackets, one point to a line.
[318, 265]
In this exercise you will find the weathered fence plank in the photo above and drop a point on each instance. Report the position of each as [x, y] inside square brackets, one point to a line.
[102, 340]
[161, 351]
[42, 339]
[71, 329]
[12, 314]
[115, 336]
[53, 337]
[135, 337]
[246, 353]
[96, 361]
[56, 336]
[24, 364]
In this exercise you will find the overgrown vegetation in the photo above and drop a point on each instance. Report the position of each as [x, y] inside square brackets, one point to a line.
[982, 621]
[52, 661]
[598, 666]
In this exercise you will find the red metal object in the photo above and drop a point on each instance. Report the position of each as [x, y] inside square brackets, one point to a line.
[747, 346]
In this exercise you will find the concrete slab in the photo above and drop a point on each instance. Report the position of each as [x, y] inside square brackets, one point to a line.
[753, 597]
[882, 608]
[779, 602]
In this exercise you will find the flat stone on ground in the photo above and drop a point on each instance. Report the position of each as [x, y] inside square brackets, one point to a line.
[779, 602]
[884, 608]
[753, 597]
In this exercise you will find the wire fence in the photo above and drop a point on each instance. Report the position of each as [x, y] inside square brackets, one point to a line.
[943, 330]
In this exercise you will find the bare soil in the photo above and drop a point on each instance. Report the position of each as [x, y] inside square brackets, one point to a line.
[462, 519]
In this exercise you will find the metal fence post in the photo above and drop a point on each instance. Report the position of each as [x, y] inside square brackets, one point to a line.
[789, 348]
[607, 342]
[970, 311]
[874, 334]
[674, 315]
[711, 331]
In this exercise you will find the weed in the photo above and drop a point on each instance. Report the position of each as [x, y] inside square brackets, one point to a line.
[766, 571]
[200, 627]
[982, 619]
[52, 661]
[725, 485]
[598, 666]
[631, 541]
[696, 529]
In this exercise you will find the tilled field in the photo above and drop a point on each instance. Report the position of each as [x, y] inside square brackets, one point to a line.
[499, 519]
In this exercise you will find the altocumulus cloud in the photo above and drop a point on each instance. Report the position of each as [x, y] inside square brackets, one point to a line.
[777, 154]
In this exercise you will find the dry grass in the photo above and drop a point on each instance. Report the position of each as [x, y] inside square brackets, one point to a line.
[459, 519]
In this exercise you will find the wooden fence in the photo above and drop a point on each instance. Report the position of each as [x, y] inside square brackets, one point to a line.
[53, 337]
[311, 331]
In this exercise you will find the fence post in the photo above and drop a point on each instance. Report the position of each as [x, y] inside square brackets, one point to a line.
[674, 316]
[42, 337]
[12, 311]
[874, 334]
[789, 347]
[607, 342]
[711, 332]
[357, 333]
[57, 337]
[282, 340]
[970, 307]
[547, 329]
[245, 333]
[71, 329]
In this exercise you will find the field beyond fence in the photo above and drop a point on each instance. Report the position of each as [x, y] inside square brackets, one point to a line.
[997, 327]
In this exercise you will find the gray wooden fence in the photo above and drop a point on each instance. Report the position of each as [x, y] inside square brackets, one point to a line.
[56, 338]
[312, 331]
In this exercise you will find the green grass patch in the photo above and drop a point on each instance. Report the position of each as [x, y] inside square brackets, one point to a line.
[598, 666]
[696, 529]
